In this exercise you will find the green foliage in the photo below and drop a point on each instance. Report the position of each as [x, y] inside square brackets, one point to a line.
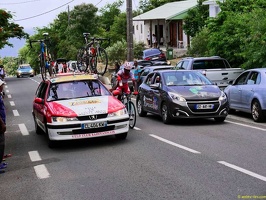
[138, 50]
[196, 19]
[117, 52]
[9, 29]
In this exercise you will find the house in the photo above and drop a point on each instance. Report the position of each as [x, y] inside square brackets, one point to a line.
[166, 22]
[214, 8]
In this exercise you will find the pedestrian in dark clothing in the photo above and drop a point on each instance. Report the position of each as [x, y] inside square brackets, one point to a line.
[2, 128]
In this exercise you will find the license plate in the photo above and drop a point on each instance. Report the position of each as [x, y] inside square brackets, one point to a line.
[93, 125]
[204, 106]
[155, 58]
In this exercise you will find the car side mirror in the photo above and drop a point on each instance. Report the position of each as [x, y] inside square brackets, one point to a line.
[38, 100]
[155, 86]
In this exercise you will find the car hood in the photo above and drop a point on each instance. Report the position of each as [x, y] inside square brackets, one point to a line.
[197, 92]
[85, 106]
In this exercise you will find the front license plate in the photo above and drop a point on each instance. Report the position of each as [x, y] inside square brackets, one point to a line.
[204, 106]
[93, 125]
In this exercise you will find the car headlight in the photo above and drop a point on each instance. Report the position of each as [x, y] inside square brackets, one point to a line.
[175, 97]
[118, 113]
[19, 71]
[222, 97]
[64, 119]
[31, 71]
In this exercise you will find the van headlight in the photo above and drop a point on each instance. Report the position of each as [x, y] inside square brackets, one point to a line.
[64, 119]
[118, 113]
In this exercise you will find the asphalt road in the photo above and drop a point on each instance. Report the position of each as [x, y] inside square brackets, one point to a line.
[190, 159]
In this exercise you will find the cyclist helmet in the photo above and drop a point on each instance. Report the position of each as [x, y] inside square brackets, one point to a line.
[128, 66]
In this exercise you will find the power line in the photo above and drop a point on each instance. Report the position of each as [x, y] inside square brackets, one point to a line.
[19, 2]
[44, 12]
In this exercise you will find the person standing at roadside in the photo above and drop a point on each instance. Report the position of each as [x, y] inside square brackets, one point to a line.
[137, 70]
[2, 72]
[154, 41]
[148, 39]
[2, 128]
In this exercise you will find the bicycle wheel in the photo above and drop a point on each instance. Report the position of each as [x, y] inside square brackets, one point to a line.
[81, 61]
[132, 114]
[101, 61]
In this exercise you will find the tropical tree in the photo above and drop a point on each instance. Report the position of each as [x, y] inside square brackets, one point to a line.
[9, 29]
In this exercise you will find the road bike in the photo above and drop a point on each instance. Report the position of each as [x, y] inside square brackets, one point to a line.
[131, 109]
[44, 57]
[92, 57]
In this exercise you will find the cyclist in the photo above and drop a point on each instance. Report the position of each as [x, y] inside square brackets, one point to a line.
[2, 73]
[123, 76]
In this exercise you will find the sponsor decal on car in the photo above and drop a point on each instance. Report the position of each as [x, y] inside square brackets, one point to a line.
[93, 134]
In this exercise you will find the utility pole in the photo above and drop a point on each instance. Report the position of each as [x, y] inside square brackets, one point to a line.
[130, 53]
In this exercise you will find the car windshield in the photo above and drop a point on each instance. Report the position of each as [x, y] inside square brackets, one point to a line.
[25, 67]
[152, 52]
[76, 89]
[185, 78]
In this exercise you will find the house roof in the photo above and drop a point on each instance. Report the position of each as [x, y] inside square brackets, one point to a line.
[168, 11]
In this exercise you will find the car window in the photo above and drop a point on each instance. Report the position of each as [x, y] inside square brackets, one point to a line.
[145, 72]
[76, 89]
[152, 52]
[41, 91]
[241, 80]
[148, 80]
[254, 78]
[209, 64]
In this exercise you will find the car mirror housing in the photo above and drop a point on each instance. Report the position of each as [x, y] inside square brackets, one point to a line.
[38, 100]
[155, 86]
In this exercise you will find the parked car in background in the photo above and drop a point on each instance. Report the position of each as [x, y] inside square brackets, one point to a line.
[150, 69]
[215, 68]
[77, 106]
[25, 70]
[174, 94]
[248, 93]
[153, 54]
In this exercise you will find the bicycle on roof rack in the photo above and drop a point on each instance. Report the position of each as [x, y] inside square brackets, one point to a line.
[44, 57]
[92, 57]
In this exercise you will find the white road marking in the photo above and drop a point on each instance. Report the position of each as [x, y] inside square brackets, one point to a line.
[263, 178]
[240, 124]
[41, 171]
[136, 128]
[7, 91]
[12, 103]
[175, 144]
[34, 156]
[9, 96]
[23, 129]
[15, 112]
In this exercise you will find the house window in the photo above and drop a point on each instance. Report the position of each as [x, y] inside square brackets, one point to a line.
[133, 30]
[141, 28]
[137, 27]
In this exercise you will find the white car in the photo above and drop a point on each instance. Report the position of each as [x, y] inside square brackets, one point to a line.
[71, 107]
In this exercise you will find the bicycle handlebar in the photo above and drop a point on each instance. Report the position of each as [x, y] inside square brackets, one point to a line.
[40, 41]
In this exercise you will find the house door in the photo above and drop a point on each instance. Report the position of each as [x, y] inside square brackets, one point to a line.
[159, 36]
[173, 34]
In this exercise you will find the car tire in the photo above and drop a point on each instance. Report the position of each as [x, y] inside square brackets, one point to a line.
[51, 143]
[256, 112]
[165, 114]
[140, 110]
[38, 130]
[121, 136]
[219, 119]
[18, 76]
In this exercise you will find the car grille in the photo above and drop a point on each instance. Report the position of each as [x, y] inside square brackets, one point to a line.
[88, 117]
[192, 106]
[93, 130]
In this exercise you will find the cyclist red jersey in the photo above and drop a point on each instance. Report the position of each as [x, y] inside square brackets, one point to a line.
[123, 76]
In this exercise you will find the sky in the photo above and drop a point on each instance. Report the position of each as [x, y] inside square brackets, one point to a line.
[39, 13]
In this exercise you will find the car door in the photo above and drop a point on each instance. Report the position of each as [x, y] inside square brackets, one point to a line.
[235, 95]
[155, 93]
[249, 89]
[146, 93]
[39, 108]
